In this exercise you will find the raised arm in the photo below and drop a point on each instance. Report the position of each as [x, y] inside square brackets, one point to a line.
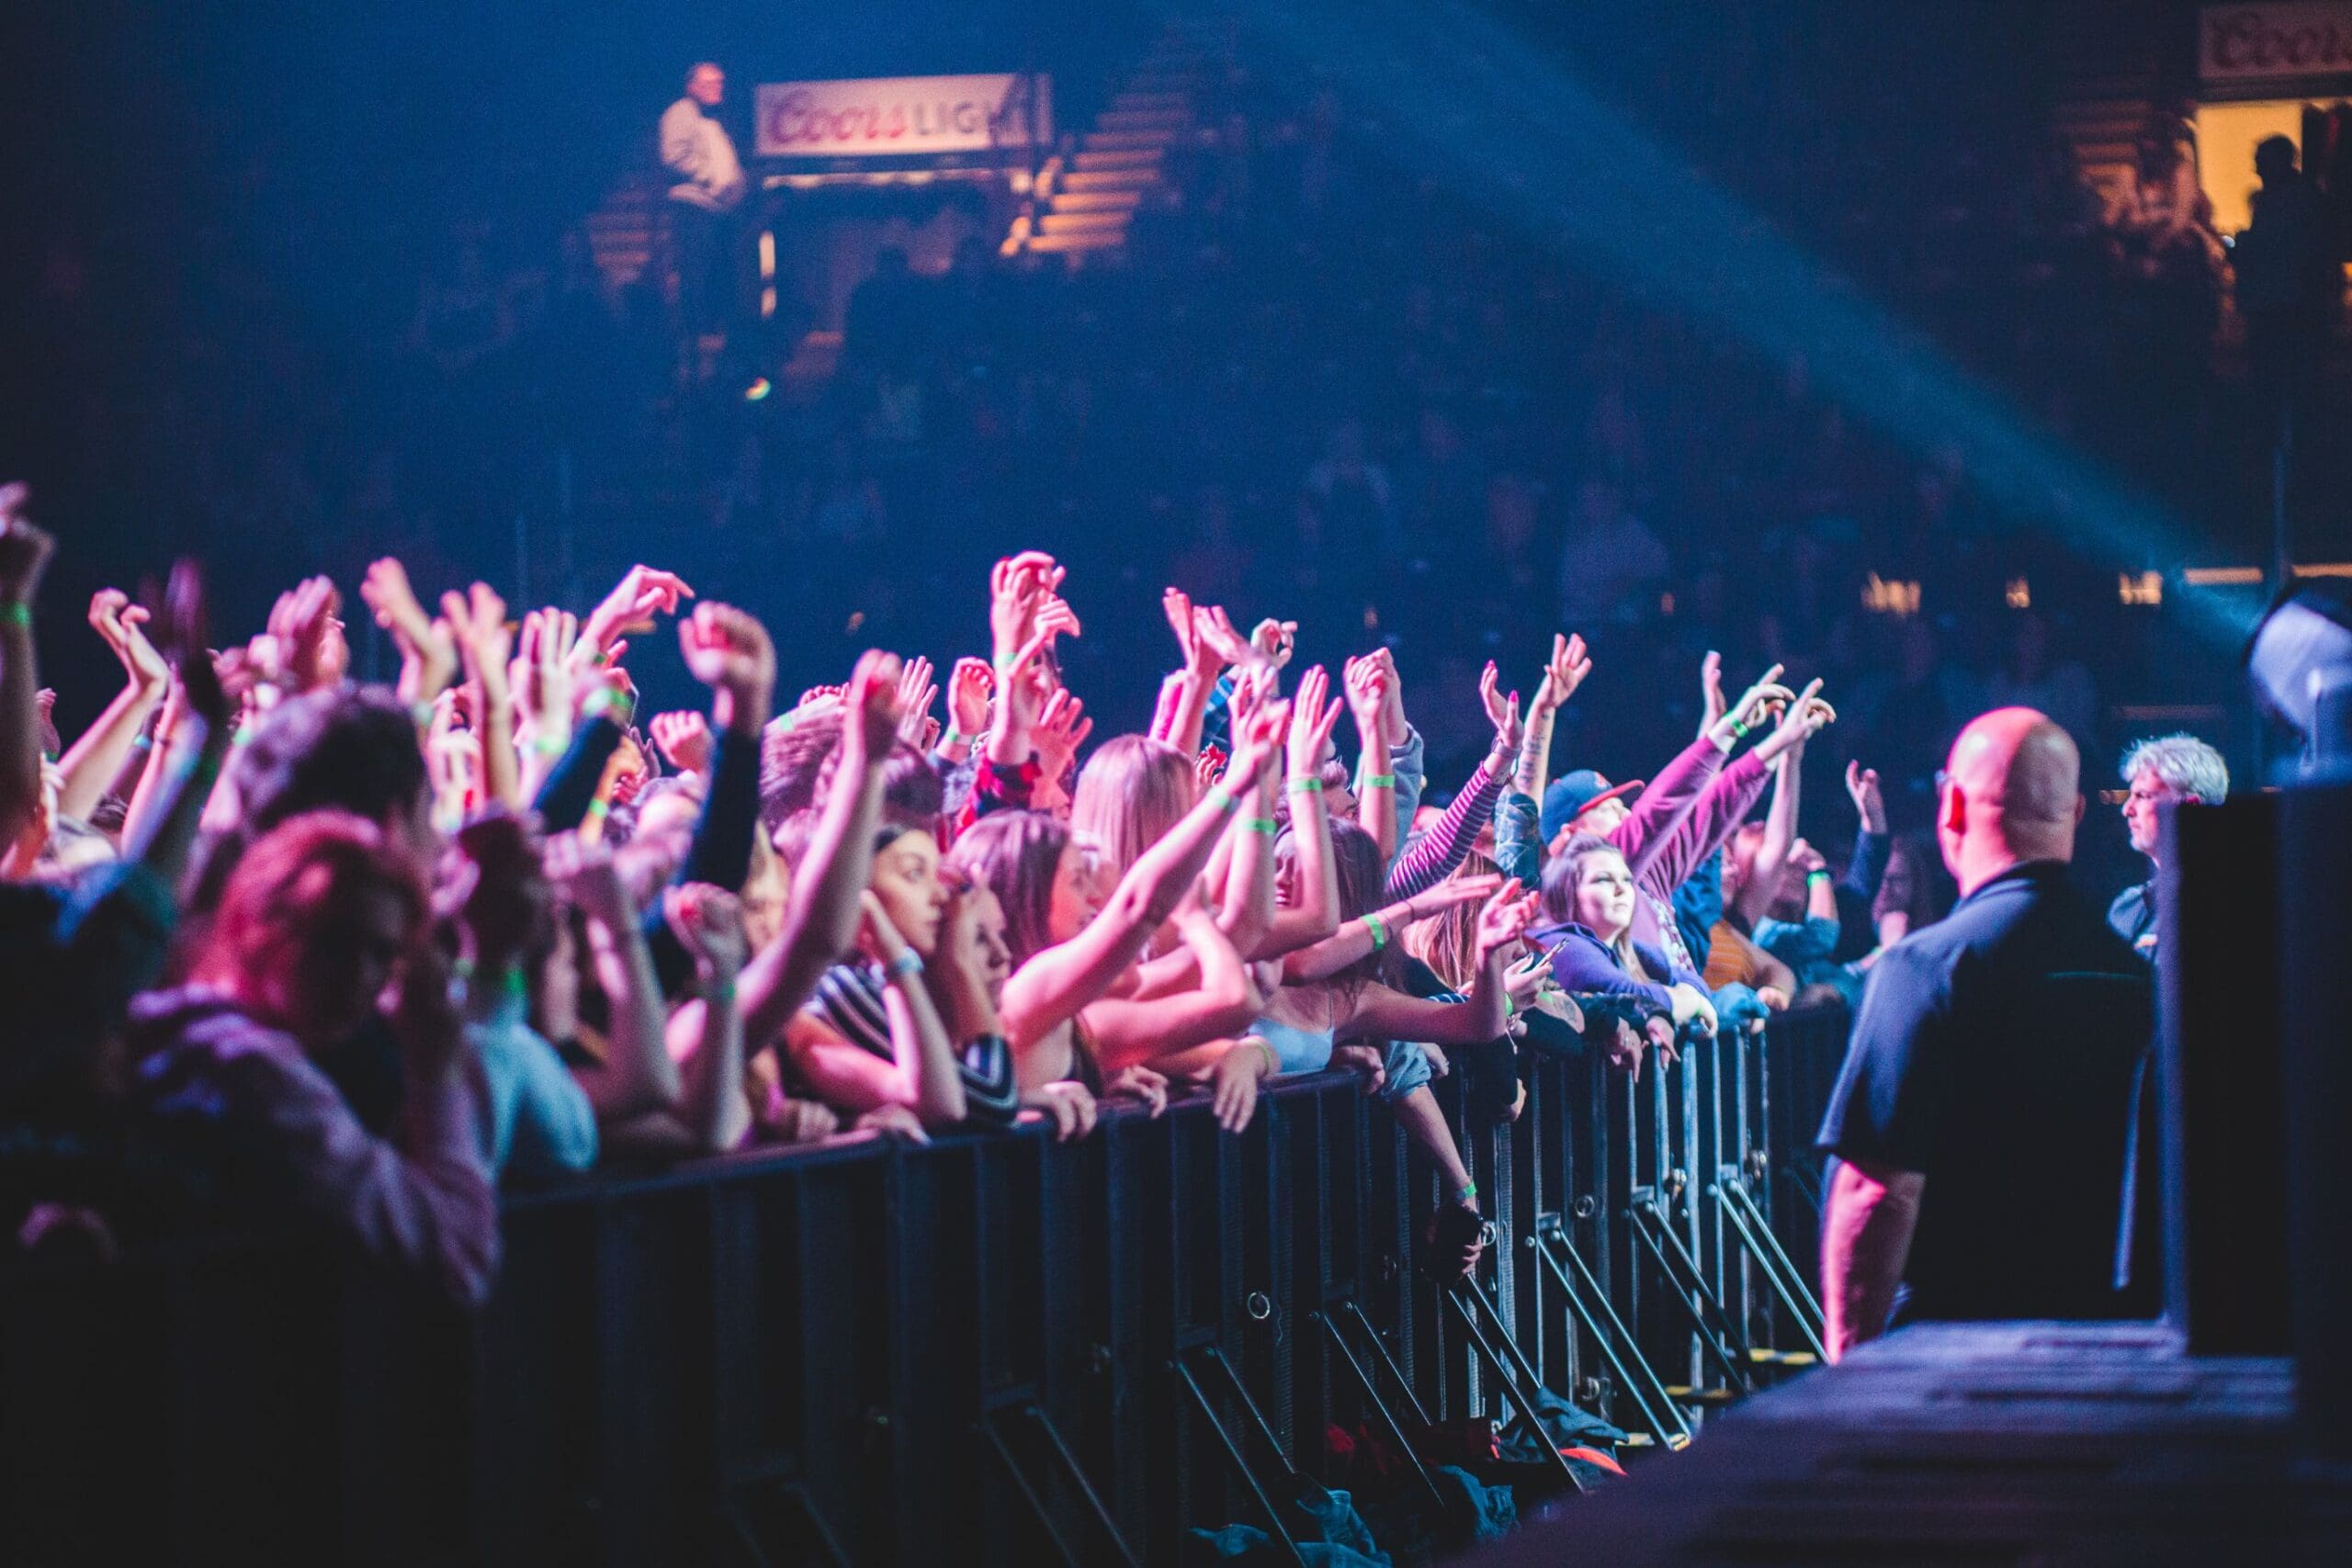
[1370, 932]
[541, 679]
[1242, 869]
[638, 1075]
[1163, 1032]
[478, 621]
[1317, 914]
[23, 556]
[1871, 837]
[1386, 1014]
[1056, 983]
[1661, 814]
[706, 1036]
[921, 1072]
[428, 655]
[89, 768]
[1562, 676]
[1366, 681]
[160, 830]
[821, 920]
[1446, 845]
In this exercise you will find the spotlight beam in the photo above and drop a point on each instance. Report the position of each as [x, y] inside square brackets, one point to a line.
[1467, 102]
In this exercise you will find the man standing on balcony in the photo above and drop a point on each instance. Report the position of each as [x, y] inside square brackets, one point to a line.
[697, 150]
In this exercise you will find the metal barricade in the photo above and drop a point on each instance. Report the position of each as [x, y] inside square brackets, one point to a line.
[993, 1348]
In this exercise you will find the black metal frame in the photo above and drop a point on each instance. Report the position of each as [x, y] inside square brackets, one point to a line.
[812, 1354]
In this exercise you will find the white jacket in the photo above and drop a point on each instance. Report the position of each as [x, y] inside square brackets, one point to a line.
[698, 149]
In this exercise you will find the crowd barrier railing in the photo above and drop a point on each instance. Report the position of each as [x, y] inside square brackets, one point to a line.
[994, 1349]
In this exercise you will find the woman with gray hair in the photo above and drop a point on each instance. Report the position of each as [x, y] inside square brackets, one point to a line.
[2164, 771]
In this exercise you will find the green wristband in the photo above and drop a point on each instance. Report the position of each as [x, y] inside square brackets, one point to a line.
[1381, 780]
[1305, 783]
[1469, 1194]
[16, 613]
[906, 965]
[1813, 876]
[1220, 798]
[1265, 825]
[1379, 929]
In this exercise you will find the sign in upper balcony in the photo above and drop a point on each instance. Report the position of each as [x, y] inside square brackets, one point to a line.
[899, 117]
[2293, 41]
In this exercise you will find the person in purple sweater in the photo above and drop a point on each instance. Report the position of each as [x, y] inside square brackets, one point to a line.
[1595, 952]
[1681, 818]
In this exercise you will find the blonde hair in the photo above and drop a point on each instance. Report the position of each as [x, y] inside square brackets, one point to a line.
[1131, 791]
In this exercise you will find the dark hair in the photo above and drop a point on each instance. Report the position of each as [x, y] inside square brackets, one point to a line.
[797, 764]
[297, 881]
[352, 749]
[1364, 881]
[1015, 855]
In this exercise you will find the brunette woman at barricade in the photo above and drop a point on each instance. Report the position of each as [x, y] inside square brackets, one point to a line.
[323, 918]
[1677, 821]
[1596, 950]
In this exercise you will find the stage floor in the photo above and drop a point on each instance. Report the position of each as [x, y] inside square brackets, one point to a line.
[2019, 1445]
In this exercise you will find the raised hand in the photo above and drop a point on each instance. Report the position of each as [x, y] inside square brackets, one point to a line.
[1366, 686]
[114, 617]
[1312, 719]
[1759, 703]
[1570, 666]
[308, 637]
[870, 706]
[1275, 640]
[1501, 711]
[185, 627]
[542, 676]
[1861, 787]
[1713, 703]
[970, 690]
[24, 549]
[642, 592]
[727, 650]
[708, 922]
[1806, 717]
[1019, 589]
[917, 691]
[1505, 918]
[478, 624]
[1056, 618]
[1061, 730]
[1806, 858]
[584, 875]
[1452, 892]
[1177, 606]
[685, 739]
[1218, 636]
[1256, 743]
